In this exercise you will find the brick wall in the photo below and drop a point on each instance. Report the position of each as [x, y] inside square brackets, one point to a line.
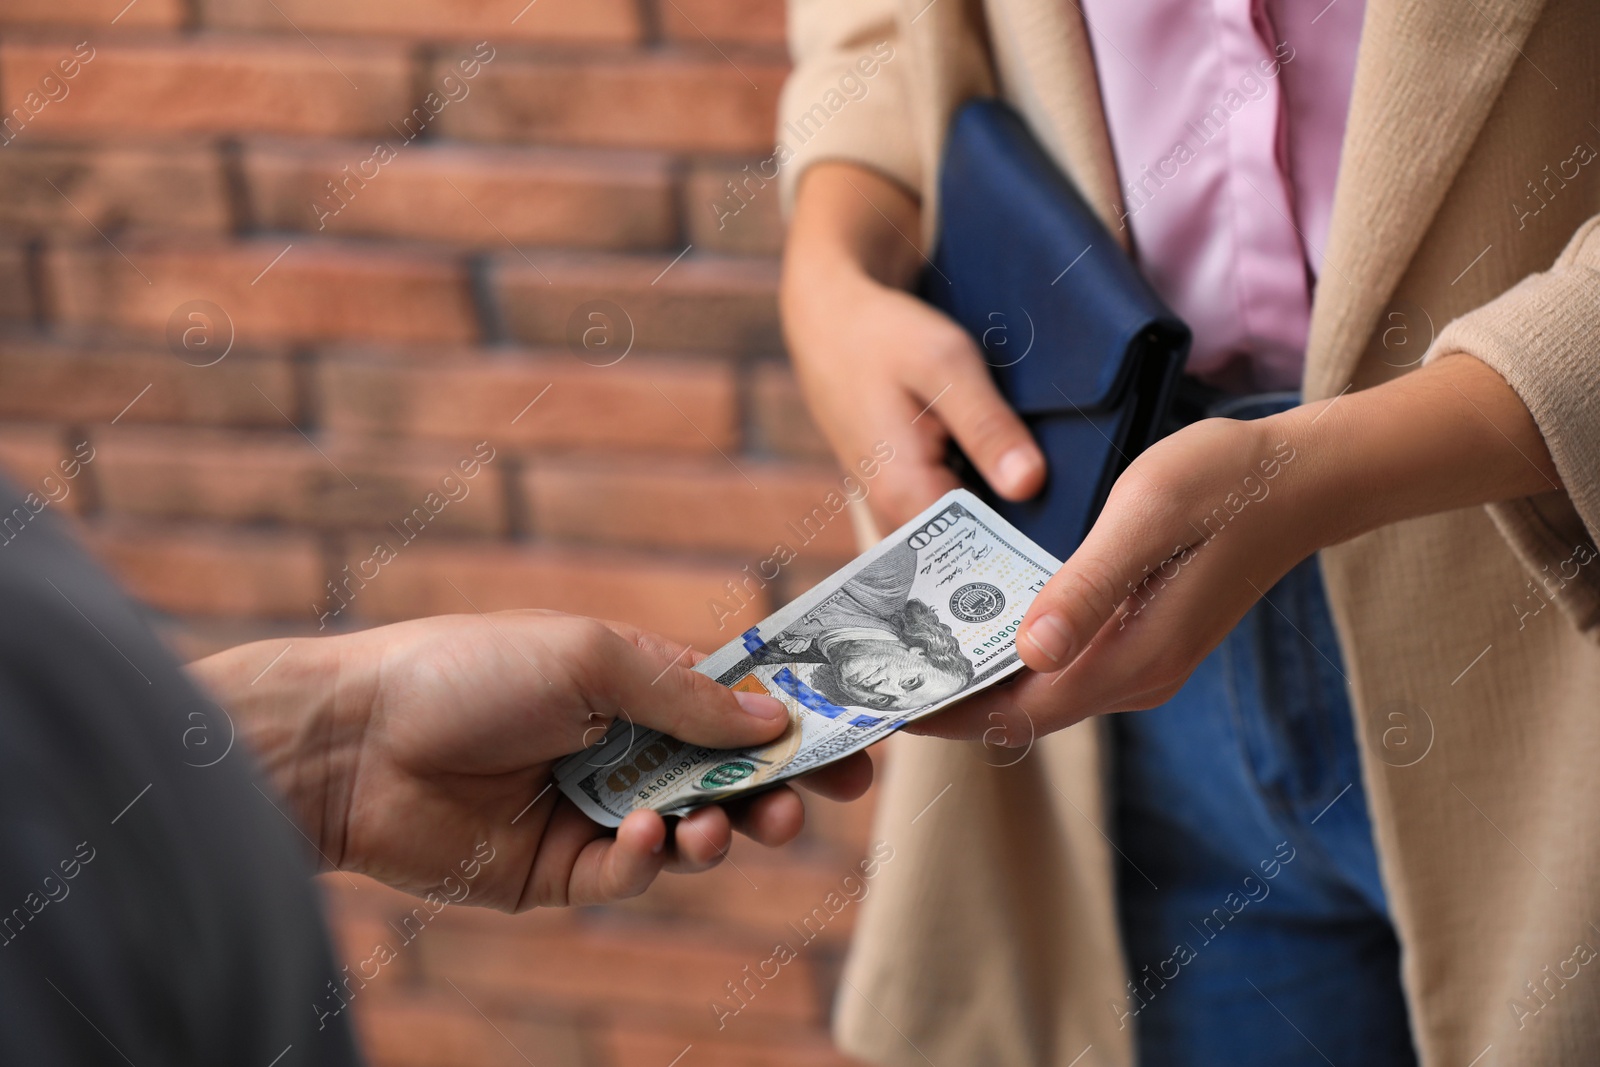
[390, 277]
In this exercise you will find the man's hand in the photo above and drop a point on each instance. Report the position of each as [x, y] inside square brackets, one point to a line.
[1205, 522]
[876, 363]
[409, 751]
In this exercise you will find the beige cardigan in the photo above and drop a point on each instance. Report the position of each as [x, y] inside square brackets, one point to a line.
[991, 939]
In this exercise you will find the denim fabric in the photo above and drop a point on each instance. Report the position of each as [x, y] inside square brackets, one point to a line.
[1252, 915]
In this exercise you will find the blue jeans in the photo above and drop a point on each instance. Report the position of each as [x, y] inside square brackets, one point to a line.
[1253, 919]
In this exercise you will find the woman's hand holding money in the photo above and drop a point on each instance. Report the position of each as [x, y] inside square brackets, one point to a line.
[1204, 523]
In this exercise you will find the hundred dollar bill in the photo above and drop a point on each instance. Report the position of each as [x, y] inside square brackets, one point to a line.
[926, 618]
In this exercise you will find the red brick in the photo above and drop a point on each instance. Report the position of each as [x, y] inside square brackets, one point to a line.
[667, 505]
[26, 452]
[711, 304]
[433, 579]
[198, 474]
[782, 422]
[16, 285]
[212, 85]
[166, 14]
[758, 893]
[33, 456]
[350, 896]
[194, 638]
[621, 969]
[361, 896]
[443, 1029]
[671, 101]
[752, 22]
[174, 188]
[356, 936]
[674, 405]
[99, 383]
[215, 572]
[547, 21]
[316, 291]
[843, 830]
[634, 1047]
[745, 220]
[455, 193]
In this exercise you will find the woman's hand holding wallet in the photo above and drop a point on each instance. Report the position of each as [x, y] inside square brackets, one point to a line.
[876, 363]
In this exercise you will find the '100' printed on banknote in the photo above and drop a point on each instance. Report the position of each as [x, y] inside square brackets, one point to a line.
[926, 618]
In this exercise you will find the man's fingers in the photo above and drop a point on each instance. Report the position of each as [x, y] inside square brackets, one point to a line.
[568, 837]
[658, 649]
[682, 703]
[963, 395]
[773, 818]
[607, 869]
[843, 781]
[700, 840]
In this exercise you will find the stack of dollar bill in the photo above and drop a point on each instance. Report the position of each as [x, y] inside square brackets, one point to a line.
[926, 618]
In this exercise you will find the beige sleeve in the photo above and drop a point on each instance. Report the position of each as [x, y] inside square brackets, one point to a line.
[1543, 337]
[847, 96]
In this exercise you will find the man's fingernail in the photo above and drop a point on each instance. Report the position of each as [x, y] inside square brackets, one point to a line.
[659, 845]
[1051, 636]
[762, 707]
[1014, 469]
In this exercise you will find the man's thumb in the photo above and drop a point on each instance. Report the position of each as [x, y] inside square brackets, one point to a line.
[691, 707]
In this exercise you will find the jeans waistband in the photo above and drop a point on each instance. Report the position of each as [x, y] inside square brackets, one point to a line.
[1253, 405]
[1194, 400]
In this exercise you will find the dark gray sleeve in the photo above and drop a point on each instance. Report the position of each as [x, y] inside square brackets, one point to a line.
[155, 907]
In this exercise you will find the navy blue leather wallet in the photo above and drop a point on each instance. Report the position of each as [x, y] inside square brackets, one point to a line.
[1079, 344]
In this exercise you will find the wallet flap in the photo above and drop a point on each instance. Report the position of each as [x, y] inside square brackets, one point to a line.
[1057, 307]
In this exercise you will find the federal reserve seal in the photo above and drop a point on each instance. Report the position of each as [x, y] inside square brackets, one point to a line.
[977, 602]
[726, 774]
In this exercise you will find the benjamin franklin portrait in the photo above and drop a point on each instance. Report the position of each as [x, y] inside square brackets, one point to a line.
[875, 645]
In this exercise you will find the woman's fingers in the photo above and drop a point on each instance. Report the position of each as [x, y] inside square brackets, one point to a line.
[994, 717]
[1143, 540]
[904, 443]
[1139, 658]
[1108, 569]
[958, 387]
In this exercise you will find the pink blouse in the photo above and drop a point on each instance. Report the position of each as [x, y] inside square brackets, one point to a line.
[1226, 121]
